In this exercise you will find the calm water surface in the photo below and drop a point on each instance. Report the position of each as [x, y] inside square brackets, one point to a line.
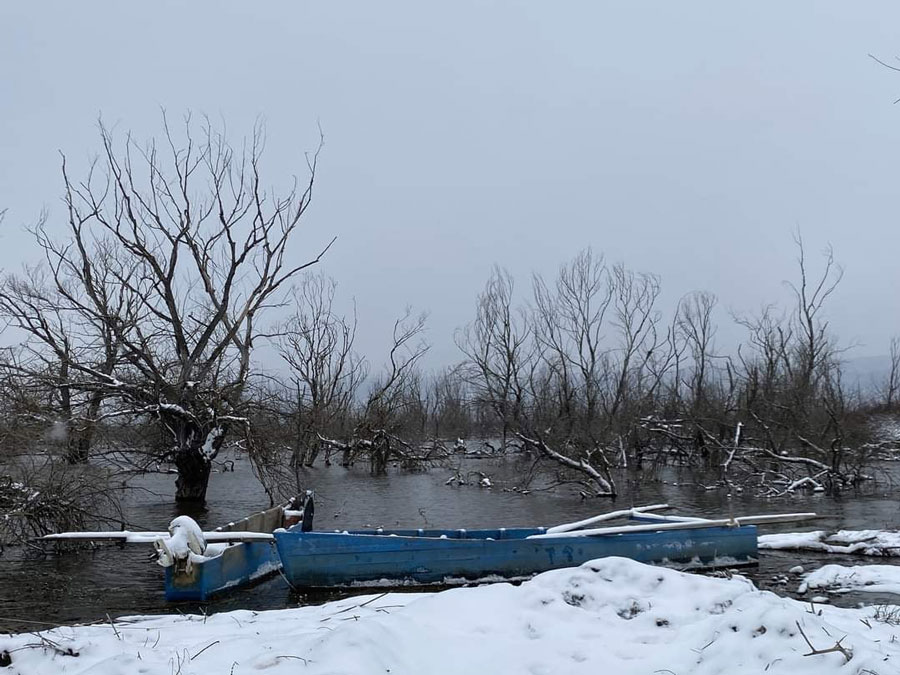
[88, 585]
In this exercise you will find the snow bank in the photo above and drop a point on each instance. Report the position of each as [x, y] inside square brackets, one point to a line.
[884, 543]
[611, 615]
[840, 579]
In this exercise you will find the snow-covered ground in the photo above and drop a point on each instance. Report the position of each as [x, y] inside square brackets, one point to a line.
[607, 616]
[860, 542]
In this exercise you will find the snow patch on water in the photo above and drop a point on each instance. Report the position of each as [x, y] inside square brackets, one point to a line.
[879, 543]
[843, 579]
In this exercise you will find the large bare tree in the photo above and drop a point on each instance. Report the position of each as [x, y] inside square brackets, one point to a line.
[149, 300]
[317, 345]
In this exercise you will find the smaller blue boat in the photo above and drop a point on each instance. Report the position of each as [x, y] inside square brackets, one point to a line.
[394, 557]
[199, 565]
[237, 564]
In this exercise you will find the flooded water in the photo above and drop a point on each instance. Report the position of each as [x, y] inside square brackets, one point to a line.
[115, 581]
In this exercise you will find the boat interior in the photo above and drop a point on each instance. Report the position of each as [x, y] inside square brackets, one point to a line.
[264, 521]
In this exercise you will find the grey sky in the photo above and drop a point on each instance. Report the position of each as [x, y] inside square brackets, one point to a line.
[684, 139]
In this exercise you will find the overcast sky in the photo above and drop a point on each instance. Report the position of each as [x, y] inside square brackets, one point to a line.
[684, 139]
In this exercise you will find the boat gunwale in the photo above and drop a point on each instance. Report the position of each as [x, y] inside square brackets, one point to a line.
[545, 538]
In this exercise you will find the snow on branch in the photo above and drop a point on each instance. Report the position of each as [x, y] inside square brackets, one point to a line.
[604, 486]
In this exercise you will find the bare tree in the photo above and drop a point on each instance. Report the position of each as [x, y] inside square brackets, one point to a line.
[41, 302]
[635, 318]
[448, 403]
[325, 372]
[892, 384]
[375, 436]
[541, 370]
[694, 323]
[39, 496]
[815, 345]
[499, 351]
[797, 409]
[569, 329]
[174, 250]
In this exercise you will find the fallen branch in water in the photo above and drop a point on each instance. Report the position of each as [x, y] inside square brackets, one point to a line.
[604, 487]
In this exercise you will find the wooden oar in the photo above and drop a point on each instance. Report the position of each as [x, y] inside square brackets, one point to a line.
[684, 525]
[568, 527]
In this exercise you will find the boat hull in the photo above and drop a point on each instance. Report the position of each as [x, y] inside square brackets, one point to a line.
[319, 559]
[236, 566]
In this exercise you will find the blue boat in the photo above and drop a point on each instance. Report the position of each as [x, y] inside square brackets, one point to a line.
[383, 557]
[201, 564]
[225, 566]
[198, 564]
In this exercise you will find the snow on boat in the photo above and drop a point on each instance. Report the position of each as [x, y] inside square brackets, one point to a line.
[391, 557]
[223, 566]
[199, 565]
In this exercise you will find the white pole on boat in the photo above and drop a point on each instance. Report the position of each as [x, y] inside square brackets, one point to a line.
[671, 519]
[149, 537]
[684, 525]
[568, 527]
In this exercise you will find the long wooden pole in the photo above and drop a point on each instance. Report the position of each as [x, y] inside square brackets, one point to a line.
[150, 537]
[671, 519]
[686, 525]
[568, 527]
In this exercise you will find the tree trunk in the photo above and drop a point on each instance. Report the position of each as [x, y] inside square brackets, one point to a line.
[193, 475]
[381, 451]
[77, 448]
[312, 451]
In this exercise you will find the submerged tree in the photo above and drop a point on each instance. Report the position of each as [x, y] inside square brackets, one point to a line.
[499, 351]
[149, 305]
[43, 301]
[792, 394]
[891, 385]
[325, 371]
[548, 373]
[375, 435]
